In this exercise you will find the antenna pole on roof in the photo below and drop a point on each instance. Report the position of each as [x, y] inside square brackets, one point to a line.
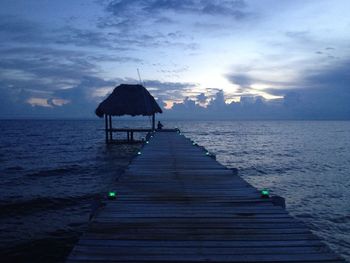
[138, 73]
[141, 82]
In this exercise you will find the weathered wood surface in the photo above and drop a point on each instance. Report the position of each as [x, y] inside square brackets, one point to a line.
[175, 204]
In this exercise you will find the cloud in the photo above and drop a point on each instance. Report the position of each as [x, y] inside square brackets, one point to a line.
[229, 8]
[167, 23]
[83, 37]
[243, 80]
[218, 102]
[303, 36]
[169, 90]
[46, 68]
[14, 29]
[61, 66]
[202, 98]
[318, 94]
[30, 101]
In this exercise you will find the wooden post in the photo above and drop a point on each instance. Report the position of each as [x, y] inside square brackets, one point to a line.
[110, 128]
[153, 122]
[106, 127]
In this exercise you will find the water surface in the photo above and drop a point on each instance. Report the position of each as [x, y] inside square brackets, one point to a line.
[53, 171]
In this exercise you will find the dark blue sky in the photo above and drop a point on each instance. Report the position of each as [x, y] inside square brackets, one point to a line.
[242, 59]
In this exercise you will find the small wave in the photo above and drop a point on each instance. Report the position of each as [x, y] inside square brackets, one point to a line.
[55, 171]
[290, 154]
[304, 216]
[14, 168]
[341, 220]
[33, 135]
[24, 207]
[261, 171]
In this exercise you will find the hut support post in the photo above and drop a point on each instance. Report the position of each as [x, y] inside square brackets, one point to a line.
[153, 122]
[110, 128]
[106, 128]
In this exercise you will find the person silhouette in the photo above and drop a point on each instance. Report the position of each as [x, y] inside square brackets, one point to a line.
[159, 125]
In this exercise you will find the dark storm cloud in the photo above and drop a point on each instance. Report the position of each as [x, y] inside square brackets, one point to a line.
[323, 93]
[243, 80]
[246, 80]
[331, 77]
[335, 75]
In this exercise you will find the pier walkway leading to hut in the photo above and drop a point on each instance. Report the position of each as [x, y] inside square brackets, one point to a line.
[176, 204]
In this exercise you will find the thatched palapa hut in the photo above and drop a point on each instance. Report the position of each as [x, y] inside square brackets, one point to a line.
[127, 99]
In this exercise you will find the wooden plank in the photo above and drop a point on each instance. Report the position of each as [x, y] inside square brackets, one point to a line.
[200, 220]
[199, 236]
[201, 243]
[196, 225]
[229, 251]
[87, 257]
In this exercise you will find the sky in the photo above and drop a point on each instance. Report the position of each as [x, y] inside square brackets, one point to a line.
[201, 59]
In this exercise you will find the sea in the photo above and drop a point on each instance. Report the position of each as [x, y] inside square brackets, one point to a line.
[53, 172]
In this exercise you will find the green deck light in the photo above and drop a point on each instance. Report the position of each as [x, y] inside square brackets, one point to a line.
[112, 195]
[265, 193]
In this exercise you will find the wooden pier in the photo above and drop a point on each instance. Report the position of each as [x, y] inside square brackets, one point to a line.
[177, 204]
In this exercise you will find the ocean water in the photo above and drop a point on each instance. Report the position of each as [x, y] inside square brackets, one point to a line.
[52, 173]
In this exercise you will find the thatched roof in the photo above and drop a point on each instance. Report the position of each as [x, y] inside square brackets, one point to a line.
[128, 100]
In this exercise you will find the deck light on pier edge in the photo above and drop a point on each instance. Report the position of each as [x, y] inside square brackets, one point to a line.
[138, 153]
[207, 153]
[265, 193]
[112, 195]
[147, 142]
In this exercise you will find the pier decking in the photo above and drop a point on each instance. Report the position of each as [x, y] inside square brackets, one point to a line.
[176, 204]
